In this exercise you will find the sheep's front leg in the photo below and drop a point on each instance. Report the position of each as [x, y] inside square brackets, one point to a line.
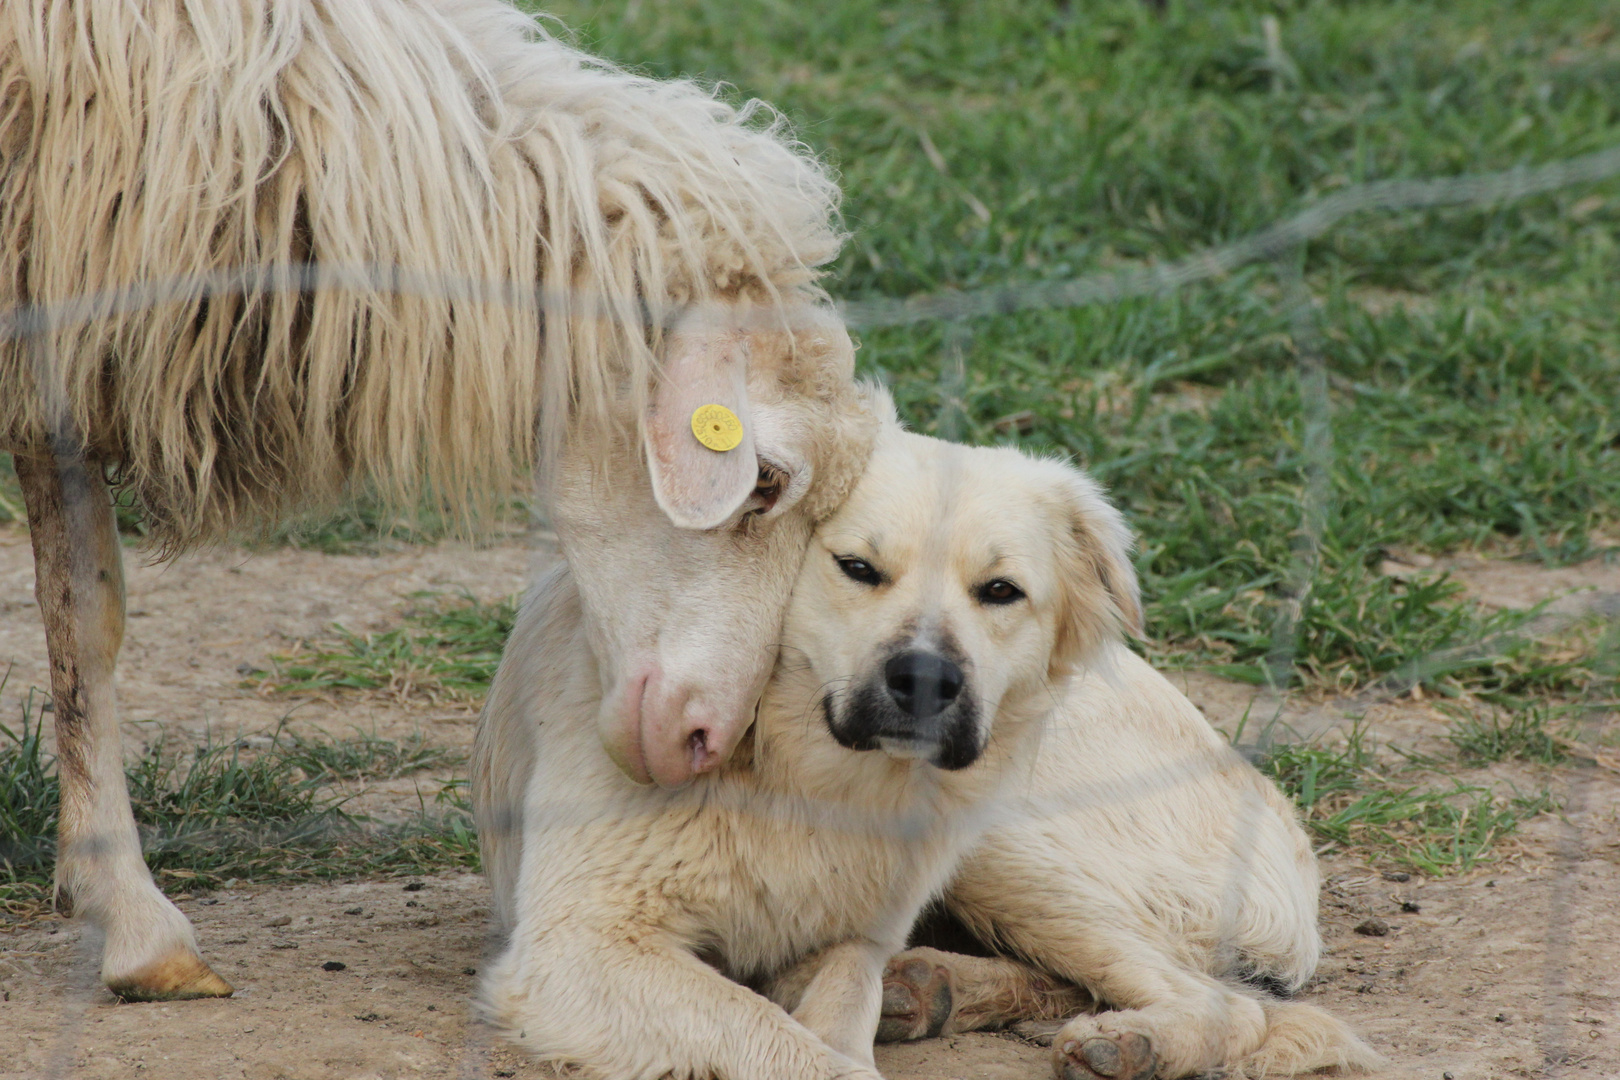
[633, 1002]
[150, 952]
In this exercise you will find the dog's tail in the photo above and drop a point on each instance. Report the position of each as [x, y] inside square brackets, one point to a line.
[1302, 1038]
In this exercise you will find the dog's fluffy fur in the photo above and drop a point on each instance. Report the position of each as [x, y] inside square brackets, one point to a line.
[1095, 826]
[1149, 864]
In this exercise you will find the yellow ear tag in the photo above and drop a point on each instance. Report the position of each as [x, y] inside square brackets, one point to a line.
[717, 427]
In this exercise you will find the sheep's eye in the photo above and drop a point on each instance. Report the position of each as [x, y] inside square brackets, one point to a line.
[999, 591]
[858, 570]
[769, 487]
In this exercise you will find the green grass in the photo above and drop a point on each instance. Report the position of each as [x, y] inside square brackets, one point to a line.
[11, 504]
[1105, 132]
[447, 649]
[363, 756]
[29, 797]
[216, 811]
[1417, 818]
[1490, 735]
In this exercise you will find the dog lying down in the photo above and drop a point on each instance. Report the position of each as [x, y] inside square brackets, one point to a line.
[953, 716]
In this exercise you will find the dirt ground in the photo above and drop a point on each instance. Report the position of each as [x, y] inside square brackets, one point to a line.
[1510, 971]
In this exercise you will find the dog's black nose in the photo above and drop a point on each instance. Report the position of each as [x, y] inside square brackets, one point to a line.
[923, 684]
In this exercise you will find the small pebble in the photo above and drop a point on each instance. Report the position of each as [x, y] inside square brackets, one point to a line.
[352, 911]
[334, 965]
[1397, 875]
[415, 886]
[279, 920]
[1373, 927]
[469, 971]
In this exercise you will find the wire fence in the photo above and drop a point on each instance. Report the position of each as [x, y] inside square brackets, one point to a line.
[1276, 718]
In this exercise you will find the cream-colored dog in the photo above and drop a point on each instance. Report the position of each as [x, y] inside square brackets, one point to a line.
[952, 713]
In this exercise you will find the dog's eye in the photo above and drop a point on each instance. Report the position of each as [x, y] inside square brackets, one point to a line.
[999, 591]
[858, 569]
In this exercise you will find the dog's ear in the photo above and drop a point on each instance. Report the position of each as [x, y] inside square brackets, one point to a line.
[700, 484]
[1098, 593]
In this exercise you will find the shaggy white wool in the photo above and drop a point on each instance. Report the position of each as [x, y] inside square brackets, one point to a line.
[451, 148]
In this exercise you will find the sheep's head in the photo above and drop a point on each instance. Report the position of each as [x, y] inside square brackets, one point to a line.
[685, 549]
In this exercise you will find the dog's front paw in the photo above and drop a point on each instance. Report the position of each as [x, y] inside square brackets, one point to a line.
[1086, 1050]
[916, 999]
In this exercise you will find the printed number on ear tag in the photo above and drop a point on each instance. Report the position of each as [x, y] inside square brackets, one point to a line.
[717, 427]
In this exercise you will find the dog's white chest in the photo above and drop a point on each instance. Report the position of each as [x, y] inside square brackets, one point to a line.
[789, 887]
[756, 879]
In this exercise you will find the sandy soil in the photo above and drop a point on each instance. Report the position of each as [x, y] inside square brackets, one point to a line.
[197, 624]
[1510, 971]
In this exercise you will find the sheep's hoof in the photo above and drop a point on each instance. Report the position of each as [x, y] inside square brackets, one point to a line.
[916, 1000]
[1124, 1057]
[180, 976]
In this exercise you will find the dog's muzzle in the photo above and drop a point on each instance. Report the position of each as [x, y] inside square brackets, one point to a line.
[918, 708]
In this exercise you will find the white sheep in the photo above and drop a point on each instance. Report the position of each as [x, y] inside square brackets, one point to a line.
[257, 253]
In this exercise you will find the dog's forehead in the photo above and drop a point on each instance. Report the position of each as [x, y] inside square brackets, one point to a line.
[976, 507]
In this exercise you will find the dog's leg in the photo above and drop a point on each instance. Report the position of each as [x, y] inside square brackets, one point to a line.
[1167, 1019]
[1302, 1038]
[927, 992]
[636, 1003]
[838, 994]
[1174, 1022]
[150, 952]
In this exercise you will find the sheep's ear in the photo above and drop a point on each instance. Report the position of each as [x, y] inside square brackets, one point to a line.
[1100, 596]
[701, 484]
